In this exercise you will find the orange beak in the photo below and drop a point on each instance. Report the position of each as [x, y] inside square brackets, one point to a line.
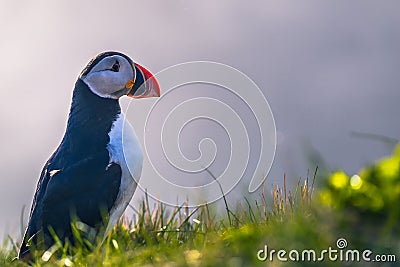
[145, 84]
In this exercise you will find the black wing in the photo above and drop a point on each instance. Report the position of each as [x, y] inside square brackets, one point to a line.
[86, 189]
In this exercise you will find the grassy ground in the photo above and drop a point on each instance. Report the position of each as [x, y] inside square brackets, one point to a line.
[281, 219]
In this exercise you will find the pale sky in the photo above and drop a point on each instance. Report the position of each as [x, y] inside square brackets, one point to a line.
[327, 69]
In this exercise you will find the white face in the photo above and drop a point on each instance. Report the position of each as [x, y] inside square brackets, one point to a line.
[109, 77]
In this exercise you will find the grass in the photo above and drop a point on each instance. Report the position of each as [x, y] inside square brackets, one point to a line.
[281, 219]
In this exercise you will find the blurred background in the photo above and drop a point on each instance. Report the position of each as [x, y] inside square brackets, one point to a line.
[330, 71]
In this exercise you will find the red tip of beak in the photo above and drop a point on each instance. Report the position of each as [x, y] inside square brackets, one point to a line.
[147, 85]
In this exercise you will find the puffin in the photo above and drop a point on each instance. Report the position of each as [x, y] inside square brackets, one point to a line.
[87, 178]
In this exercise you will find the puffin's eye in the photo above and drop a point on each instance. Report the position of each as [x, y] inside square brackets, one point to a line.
[115, 67]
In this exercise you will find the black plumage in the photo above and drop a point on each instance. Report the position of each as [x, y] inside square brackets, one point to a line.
[78, 179]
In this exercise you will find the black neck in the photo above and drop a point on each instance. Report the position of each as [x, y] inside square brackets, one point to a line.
[90, 120]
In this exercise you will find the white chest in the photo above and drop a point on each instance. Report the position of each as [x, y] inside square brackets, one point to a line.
[124, 144]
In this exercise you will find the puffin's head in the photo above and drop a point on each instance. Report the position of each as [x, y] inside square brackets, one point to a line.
[113, 74]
